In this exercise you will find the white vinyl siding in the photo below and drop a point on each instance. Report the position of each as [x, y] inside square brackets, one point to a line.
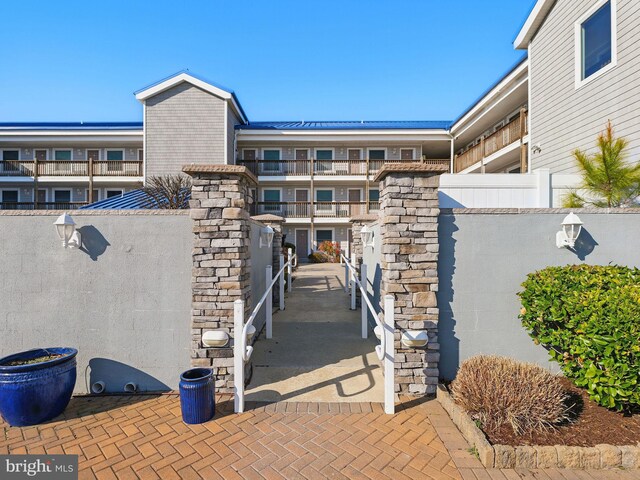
[563, 118]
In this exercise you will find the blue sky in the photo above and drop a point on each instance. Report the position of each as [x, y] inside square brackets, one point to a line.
[72, 60]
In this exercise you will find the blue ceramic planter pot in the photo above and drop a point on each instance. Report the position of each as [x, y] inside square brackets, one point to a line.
[34, 393]
[197, 391]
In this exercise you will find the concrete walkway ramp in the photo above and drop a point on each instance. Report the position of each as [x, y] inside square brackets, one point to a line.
[317, 353]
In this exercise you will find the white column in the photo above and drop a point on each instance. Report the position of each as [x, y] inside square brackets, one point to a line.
[363, 304]
[238, 362]
[290, 269]
[543, 180]
[269, 302]
[389, 358]
[353, 288]
[281, 282]
[346, 277]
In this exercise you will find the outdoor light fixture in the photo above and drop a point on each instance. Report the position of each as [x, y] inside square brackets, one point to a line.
[215, 338]
[367, 236]
[66, 228]
[415, 338]
[571, 228]
[266, 237]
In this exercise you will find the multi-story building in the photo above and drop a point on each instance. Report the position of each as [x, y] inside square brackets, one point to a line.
[66, 165]
[579, 72]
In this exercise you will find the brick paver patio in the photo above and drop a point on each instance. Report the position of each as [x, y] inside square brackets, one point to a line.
[120, 437]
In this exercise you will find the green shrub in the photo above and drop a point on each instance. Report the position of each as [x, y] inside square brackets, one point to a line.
[498, 391]
[319, 257]
[588, 317]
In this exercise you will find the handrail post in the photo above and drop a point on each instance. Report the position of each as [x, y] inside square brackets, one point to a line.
[346, 276]
[353, 281]
[365, 310]
[281, 282]
[389, 373]
[238, 361]
[269, 306]
[290, 268]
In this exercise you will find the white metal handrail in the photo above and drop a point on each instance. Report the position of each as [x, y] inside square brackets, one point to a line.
[386, 349]
[241, 351]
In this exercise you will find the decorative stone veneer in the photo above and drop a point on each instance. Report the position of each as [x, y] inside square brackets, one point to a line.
[356, 240]
[409, 263]
[220, 197]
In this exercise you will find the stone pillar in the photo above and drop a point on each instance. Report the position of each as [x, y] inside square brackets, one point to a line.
[409, 230]
[356, 225]
[220, 199]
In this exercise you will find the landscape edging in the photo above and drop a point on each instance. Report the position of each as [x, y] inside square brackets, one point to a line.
[557, 456]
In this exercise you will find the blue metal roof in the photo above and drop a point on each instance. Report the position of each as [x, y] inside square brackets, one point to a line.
[494, 85]
[70, 125]
[349, 125]
[133, 200]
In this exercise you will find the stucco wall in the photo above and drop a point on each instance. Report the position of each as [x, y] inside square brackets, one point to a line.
[485, 257]
[124, 301]
[260, 258]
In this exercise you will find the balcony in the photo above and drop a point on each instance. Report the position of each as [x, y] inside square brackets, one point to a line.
[343, 210]
[303, 168]
[41, 205]
[505, 136]
[73, 168]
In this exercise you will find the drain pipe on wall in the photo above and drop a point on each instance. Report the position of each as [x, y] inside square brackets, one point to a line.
[453, 151]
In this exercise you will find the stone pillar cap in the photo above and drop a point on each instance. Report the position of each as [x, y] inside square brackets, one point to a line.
[268, 218]
[365, 218]
[195, 169]
[409, 168]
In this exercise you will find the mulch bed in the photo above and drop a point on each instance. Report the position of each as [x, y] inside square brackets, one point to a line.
[592, 425]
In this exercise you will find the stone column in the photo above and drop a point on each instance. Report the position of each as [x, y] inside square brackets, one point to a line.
[219, 204]
[409, 230]
[356, 225]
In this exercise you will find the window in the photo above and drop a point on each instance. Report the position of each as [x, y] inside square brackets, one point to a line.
[62, 155]
[595, 42]
[272, 161]
[377, 154]
[324, 236]
[10, 160]
[10, 196]
[374, 195]
[324, 199]
[115, 155]
[113, 193]
[272, 200]
[324, 160]
[62, 196]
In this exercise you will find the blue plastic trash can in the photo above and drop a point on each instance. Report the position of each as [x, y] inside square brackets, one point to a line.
[197, 391]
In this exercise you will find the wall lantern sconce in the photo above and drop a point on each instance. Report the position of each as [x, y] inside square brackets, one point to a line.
[66, 228]
[571, 228]
[415, 338]
[367, 236]
[215, 338]
[393, 151]
[537, 149]
[266, 237]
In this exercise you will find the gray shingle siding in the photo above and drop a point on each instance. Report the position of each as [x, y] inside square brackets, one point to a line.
[183, 125]
[563, 118]
[232, 121]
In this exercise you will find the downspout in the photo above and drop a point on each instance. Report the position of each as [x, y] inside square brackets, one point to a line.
[453, 150]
